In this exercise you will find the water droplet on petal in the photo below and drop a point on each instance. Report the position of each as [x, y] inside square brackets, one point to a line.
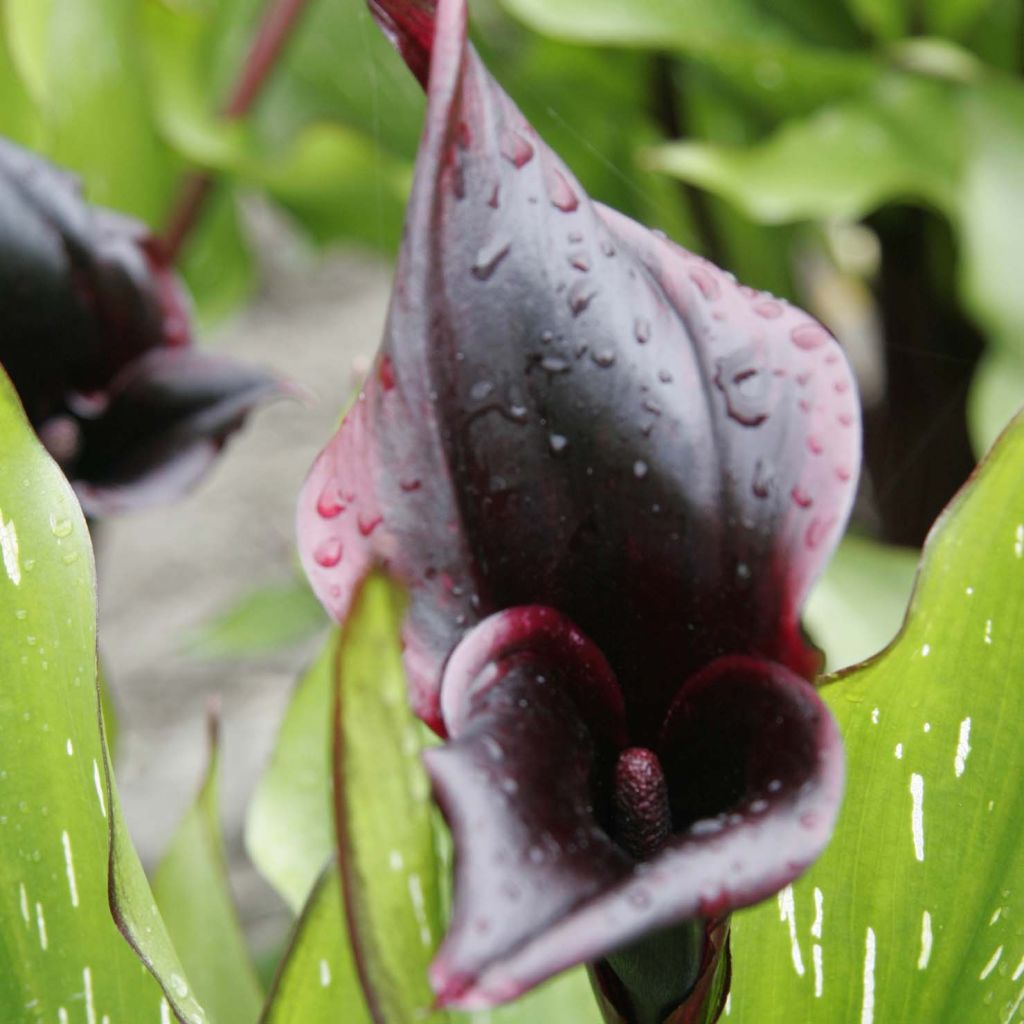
[764, 479]
[368, 524]
[744, 386]
[558, 443]
[642, 330]
[809, 336]
[329, 504]
[604, 358]
[817, 530]
[386, 373]
[328, 554]
[770, 310]
[410, 485]
[580, 295]
[705, 281]
[481, 390]
[515, 148]
[815, 445]
[579, 261]
[607, 248]
[665, 377]
[640, 469]
[489, 258]
[562, 195]
[801, 497]
[555, 364]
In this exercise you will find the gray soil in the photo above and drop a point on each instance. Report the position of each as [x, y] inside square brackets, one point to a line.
[166, 571]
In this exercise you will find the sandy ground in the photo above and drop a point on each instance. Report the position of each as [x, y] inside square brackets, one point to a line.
[166, 571]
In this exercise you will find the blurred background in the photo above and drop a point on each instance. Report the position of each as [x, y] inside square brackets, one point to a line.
[864, 158]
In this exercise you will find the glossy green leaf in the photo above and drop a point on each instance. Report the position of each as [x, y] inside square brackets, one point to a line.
[886, 19]
[992, 210]
[914, 911]
[25, 31]
[192, 891]
[62, 957]
[857, 607]
[17, 112]
[271, 617]
[742, 40]
[216, 262]
[94, 108]
[384, 813]
[952, 17]
[843, 161]
[289, 829]
[317, 982]
[996, 396]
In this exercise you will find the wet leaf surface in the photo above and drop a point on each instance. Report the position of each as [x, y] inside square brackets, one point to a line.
[62, 957]
[914, 912]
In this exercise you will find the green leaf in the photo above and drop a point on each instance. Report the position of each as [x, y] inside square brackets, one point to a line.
[194, 896]
[900, 143]
[89, 77]
[61, 954]
[289, 829]
[996, 396]
[268, 618]
[317, 982]
[952, 17]
[992, 210]
[913, 912]
[885, 19]
[384, 813]
[216, 262]
[322, 158]
[17, 113]
[858, 605]
[741, 40]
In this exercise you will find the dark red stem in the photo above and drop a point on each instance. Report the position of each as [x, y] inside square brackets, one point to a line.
[278, 24]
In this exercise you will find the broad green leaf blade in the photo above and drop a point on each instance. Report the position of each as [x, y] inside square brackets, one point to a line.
[61, 954]
[389, 863]
[18, 119]
[886, 19]
[317, 982]
[267, 618]
[902, 142]
[289, 829]
[858, 606]
[194, 896]
[740, 39]
[216, 262]
[96, 114]
[992, 210]
[914, 911]
[996, 396]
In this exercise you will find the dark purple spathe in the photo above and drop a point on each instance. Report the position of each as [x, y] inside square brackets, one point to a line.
[607, 474]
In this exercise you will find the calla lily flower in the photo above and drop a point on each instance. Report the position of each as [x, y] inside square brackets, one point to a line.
[607, 475]
[96, 340]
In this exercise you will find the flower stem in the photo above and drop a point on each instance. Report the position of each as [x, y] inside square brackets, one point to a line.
[279, 21]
